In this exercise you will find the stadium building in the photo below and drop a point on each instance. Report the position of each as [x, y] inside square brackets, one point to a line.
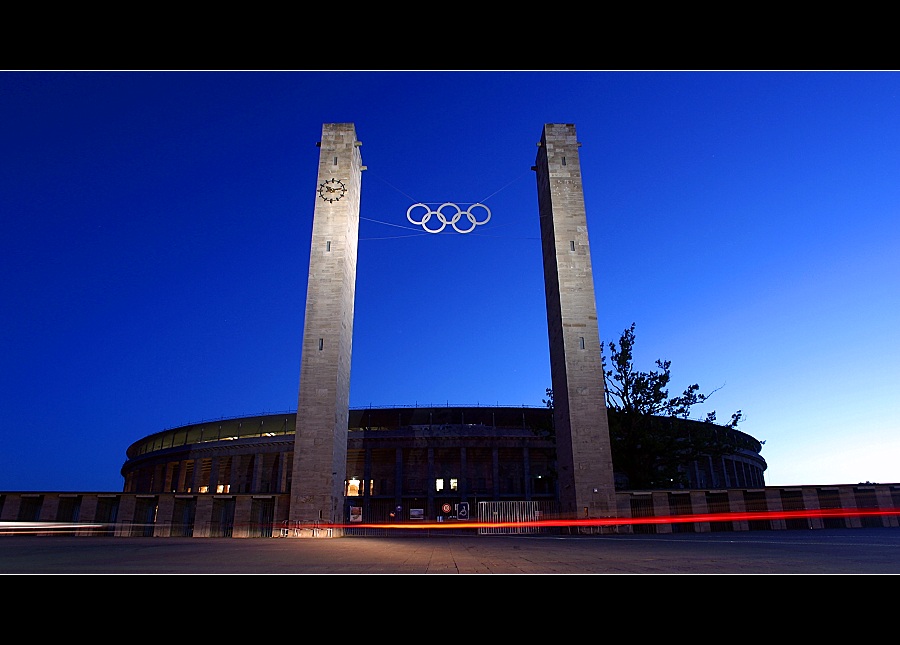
[423, 460]
[327, 470]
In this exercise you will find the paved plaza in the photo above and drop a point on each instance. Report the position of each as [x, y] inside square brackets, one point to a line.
[849, 551]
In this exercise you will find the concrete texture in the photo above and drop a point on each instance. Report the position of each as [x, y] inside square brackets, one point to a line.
[848, 551]
[585, 470]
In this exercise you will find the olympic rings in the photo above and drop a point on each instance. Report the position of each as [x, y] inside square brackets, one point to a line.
[453, 219]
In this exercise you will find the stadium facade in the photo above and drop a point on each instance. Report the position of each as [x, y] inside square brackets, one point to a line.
[413, 457]
[327, 470]
[232, 478]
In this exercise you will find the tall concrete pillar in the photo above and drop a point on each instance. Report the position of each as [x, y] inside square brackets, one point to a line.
[320, 443]
[586, 482]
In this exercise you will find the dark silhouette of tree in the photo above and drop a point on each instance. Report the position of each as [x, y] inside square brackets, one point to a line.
[646, 393]
[652, 438]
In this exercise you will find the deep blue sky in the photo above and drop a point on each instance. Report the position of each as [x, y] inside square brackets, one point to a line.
[156, 228]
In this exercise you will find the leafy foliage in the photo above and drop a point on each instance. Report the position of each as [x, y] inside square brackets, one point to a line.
[646, 393]
[649, 443]
[652, 437]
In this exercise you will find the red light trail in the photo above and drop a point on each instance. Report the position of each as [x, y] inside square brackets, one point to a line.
[25, 528]
[621, 521]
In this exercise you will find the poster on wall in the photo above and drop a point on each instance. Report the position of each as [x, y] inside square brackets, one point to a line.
[356, 513]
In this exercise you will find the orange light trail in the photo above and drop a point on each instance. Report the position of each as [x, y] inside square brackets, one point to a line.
[27, 528]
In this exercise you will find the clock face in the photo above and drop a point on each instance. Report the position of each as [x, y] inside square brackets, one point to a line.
[332, 190]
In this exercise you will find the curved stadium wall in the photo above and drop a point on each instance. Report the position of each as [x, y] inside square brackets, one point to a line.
[417, 457]
[231, 478]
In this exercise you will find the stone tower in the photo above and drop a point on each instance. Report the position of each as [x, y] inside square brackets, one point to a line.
[320, 443]
[586, 482]
[582, 431]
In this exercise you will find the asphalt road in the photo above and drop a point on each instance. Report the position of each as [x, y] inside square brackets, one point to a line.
[848, 551]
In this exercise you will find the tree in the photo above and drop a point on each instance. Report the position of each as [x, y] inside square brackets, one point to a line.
[650, 435]
[646, 393]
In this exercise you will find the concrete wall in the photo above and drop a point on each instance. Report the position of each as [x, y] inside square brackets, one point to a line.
[232, 515]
